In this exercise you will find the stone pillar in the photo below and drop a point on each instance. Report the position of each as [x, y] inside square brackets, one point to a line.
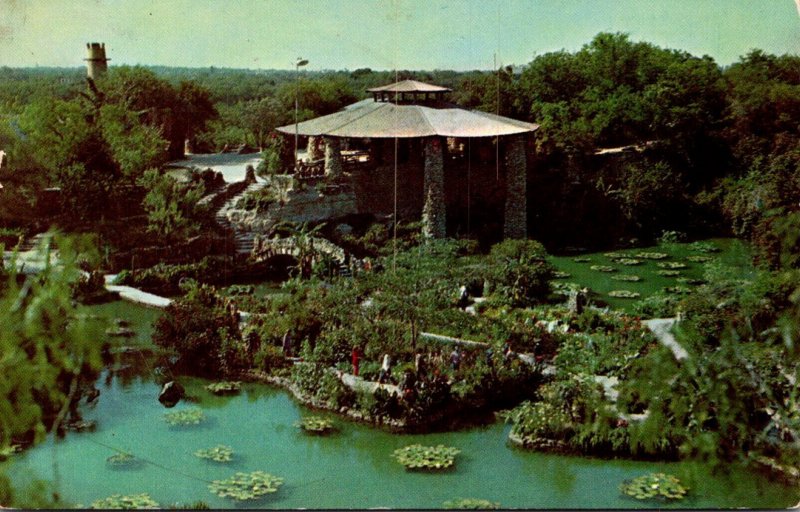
[516, 212]
[333, 157]
[433, 212]
[316, 151]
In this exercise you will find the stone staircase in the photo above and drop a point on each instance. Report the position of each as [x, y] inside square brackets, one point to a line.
[244, 240]
[33, 242]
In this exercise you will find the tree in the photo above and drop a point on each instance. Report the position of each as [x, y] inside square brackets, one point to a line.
[172, 207]
[49, 350]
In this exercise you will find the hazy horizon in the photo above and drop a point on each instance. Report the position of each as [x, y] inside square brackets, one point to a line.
[382, 35]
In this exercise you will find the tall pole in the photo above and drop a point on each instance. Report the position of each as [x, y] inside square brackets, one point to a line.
[300, 62]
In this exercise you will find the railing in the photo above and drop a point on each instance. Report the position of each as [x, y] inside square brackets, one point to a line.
[313, 170]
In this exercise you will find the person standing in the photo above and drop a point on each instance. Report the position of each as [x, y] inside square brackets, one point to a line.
[386, 369]
[287, 344]
[355, 355]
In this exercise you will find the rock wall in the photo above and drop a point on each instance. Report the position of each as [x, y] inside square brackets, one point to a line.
[516, 209]
[434, 211]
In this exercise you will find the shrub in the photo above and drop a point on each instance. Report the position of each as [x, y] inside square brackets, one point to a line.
[521, 272]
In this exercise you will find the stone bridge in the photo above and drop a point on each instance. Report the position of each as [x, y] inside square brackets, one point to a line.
[266, 248]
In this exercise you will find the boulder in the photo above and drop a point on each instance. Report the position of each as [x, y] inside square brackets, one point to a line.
[171, 394]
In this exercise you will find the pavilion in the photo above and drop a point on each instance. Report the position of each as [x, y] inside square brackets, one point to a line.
[409, 129]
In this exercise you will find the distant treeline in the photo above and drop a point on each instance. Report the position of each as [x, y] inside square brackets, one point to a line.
[715, 150]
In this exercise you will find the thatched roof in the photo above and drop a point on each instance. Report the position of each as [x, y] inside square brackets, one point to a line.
[383, 119]
[409, 86]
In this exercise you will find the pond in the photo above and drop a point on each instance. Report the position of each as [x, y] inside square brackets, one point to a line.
[730, 252]
[351, 469]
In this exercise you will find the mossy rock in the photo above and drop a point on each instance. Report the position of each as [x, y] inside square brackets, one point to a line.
[416, 457]
[225, 387]
[246, 486]
[186, 417]
[316, 425]
[627, 277]
[127, 502]
[219, 453]
[624, 294]
[655, 485]
[470, 504]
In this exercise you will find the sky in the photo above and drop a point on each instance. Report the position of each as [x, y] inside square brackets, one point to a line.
[378, 34]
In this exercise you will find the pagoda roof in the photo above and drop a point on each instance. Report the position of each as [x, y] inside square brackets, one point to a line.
[409, 86]
[379, 119]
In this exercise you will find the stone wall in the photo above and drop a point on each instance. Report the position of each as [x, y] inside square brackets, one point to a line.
[434, 211]
[516, 210]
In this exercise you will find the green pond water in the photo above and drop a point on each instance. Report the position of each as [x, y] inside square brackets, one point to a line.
[352, 469]
[732, 253]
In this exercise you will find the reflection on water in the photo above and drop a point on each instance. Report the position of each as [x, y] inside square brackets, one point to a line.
[353, 468]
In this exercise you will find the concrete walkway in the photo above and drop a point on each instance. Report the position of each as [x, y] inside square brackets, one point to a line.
[134, 295]
[661, 328]
[366, 386]
[233, 166]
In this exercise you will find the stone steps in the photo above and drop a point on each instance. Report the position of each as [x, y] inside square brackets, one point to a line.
[244, 239]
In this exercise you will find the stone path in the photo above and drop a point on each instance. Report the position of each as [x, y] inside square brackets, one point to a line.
[134, 295]
[662, 328]
[367, 386]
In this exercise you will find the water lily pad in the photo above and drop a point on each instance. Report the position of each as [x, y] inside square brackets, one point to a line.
[678, 290]
[246, 486]
[561, 275]
[470, 504]
[418, 457]
[699, 259]
[185, 417]
[628, 261]
[652, 255]
[672, 265]
[615, 255]
[603, 268]
[8, 451]
[316, 425]
[123, 460]
[129, 502]
[582, 259]
[668, 273]
[225, 387]
[627, 277]
[654, 485]
[219, 453]
[690, 281]
[705, 247]
[624, 294]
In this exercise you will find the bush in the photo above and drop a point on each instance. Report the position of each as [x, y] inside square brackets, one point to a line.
[521, 272]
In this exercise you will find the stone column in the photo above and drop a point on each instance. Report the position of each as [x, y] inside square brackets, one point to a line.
[316, 150]
[333, 157]
[433, 212]
[516, 212]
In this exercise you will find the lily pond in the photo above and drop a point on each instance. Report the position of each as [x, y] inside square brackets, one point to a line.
[646, 270]
[255, 434]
